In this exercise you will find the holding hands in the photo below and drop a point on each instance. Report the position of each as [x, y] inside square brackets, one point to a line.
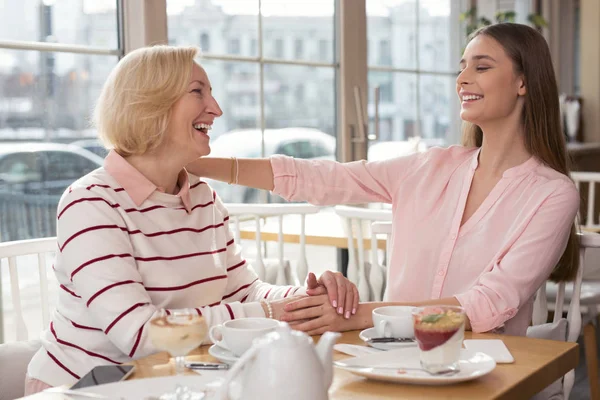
[331, 300]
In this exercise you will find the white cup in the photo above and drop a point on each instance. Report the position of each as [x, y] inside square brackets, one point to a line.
[237, 335]
[394, 321]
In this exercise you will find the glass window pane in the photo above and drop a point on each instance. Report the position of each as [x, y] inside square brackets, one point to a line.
[434, 36]
[216, 26]
[438, 92]
[84, 22]
[298, 29]
[49, 95]
[44, 97]
[397, 113]
[300, 127]
[392, 33]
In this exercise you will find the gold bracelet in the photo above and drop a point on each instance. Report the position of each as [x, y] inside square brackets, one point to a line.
[232, 171]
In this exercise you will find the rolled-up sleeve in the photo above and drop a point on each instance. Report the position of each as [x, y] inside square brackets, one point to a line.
[526, 263]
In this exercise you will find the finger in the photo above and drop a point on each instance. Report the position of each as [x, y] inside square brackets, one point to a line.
[318, 331]
[349, 300]
[328, 280]
[304, 302]
[356, 299]
[294, 323]
[316, 291]
[311, 281]
[341, 293]
[311, 325]
[305, 313]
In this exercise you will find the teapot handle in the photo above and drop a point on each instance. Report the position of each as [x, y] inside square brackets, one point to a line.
[235, 371]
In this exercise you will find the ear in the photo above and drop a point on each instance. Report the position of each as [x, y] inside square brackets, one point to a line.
[522, 89]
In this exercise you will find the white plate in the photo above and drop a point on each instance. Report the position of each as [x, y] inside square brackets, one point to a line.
[472, 365]
[222, 354]
[154, 387]
[372, 333]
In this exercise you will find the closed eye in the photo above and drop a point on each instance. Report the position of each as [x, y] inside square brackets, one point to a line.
[198, 91]
[482, 68]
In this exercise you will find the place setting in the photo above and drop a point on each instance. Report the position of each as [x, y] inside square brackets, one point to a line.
[419, 346]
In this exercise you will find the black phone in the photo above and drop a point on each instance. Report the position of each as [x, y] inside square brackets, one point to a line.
[104, 374]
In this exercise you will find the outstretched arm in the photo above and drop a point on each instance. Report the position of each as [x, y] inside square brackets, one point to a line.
[252, 172]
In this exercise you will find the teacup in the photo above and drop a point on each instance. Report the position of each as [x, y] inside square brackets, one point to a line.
[237, 335]
[394, 321]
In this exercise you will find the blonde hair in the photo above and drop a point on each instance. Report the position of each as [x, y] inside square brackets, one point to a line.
[133, 110]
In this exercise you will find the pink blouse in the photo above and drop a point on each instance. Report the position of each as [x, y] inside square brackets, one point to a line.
[493, 264]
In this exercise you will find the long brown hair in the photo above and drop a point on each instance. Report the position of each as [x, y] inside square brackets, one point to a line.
[541, 114]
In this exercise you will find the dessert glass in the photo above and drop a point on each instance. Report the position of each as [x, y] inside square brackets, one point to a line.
[439, 331]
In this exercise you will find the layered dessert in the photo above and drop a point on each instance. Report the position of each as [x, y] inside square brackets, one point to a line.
[439, 331]
[177, 334]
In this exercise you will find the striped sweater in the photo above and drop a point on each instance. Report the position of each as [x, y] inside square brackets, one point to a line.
[122, 257]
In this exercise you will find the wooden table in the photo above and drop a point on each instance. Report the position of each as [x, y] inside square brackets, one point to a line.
[537, 364]
[322, 229]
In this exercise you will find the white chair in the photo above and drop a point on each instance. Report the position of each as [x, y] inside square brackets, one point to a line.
[589, 179]
[367, 277]
[378, 275]
[574, 313]
[15, 356]
[277, 271]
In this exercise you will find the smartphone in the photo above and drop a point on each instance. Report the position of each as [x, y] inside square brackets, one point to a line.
[104, 374]
[494, 348]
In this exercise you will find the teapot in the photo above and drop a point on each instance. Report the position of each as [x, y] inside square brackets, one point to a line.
[283, 364]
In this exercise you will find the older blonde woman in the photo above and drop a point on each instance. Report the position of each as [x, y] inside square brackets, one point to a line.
[141, 234]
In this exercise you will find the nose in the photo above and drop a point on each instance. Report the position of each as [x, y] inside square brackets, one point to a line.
[214, 108]
[464, 77]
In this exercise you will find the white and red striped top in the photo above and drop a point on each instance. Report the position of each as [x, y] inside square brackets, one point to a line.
[126, 250]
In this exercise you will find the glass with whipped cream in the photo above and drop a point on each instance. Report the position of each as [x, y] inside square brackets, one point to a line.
[178, 332]
[439, 332]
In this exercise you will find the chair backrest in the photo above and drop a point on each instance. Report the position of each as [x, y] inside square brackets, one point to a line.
[11, 251]
[379, 271]
[242, 214]
[540, 307]
[589, 179]
[358, 223]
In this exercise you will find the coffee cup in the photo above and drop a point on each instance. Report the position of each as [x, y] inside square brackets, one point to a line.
[394, 321]
[237, 335]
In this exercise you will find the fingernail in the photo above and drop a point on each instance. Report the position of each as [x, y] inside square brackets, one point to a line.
[353, 311]
[340, 310]
[347, 314]
[334, 304]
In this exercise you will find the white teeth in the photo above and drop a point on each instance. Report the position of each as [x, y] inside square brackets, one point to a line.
[203, 126]
[472, 97]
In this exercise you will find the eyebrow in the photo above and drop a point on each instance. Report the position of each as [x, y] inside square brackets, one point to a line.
[478, 57]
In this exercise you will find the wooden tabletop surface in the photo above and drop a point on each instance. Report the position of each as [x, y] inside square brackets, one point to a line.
[537, 364]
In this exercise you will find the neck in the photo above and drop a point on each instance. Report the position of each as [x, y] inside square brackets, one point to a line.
[160, 169]
[503, 147]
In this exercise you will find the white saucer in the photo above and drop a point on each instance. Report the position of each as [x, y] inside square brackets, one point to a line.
[222, 354]
[472, 365]
[372, 333]
[139, 389]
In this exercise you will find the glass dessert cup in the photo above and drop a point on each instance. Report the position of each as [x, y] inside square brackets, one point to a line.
[178, 332]
[439, 331]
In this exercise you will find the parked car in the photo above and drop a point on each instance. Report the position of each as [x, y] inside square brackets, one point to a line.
[33, 176]
[305, 143]
[92, 145]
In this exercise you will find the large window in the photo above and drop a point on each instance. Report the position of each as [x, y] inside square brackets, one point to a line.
[273, 72]
[54, 59]
[412, 60]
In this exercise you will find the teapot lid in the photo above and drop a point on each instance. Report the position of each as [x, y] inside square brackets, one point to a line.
[283, 335]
